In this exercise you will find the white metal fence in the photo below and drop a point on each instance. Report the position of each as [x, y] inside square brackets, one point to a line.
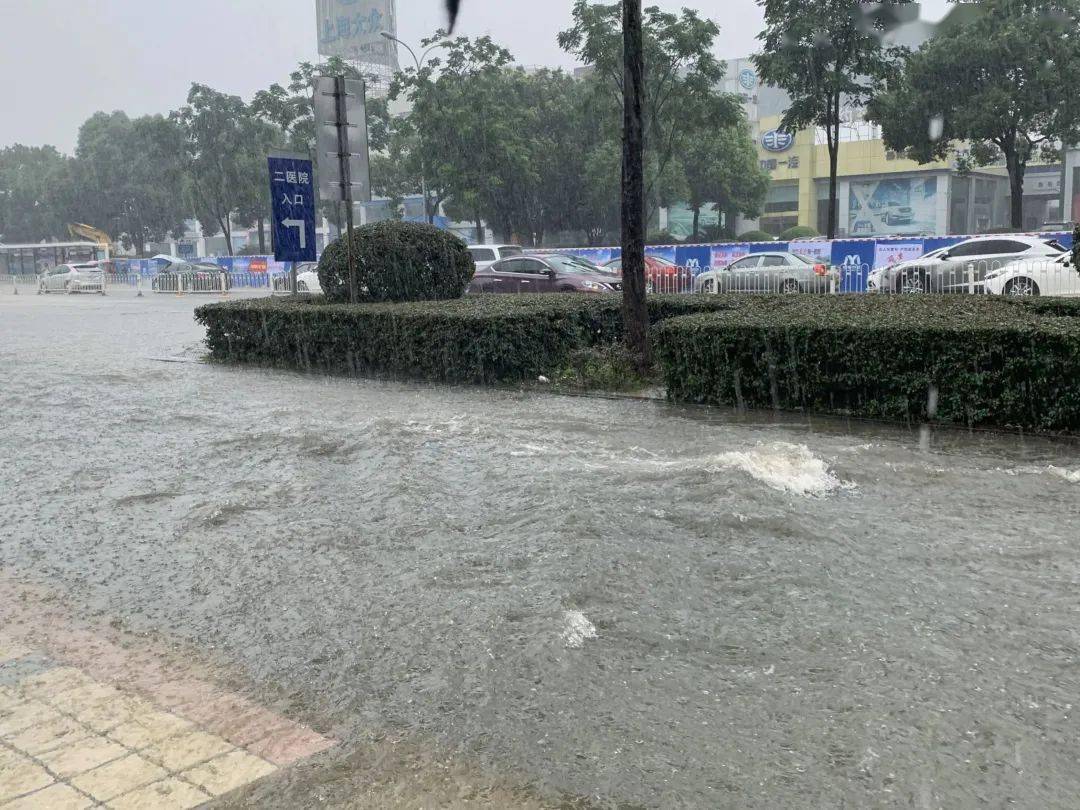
[203, 284]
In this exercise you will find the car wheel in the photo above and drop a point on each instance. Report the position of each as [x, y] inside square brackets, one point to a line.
[789, 286]
[708, 286]
[914, 282]
[68, 288]
[301, 286]
[1022, 287]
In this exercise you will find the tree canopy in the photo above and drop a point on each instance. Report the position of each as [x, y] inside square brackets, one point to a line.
[1003, 85]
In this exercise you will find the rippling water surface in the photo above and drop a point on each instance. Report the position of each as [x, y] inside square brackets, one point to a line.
[619, 599]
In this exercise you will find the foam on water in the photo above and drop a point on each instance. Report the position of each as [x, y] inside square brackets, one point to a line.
[786, 467]
[577, 629]
[1072, 476]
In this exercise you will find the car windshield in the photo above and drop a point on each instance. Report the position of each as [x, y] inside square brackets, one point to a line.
[575, 266]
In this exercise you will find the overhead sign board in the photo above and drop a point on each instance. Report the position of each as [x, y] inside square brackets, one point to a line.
[341, 139]
[292, 194]
[353, 30]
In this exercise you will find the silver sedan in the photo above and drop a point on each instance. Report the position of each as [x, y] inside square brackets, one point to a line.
[773, 272]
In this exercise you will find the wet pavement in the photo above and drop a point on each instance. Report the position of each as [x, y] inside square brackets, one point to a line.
[515, 599]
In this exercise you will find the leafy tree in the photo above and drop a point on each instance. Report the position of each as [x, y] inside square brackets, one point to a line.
[680, 76]
[29, 179]
[226, 147]
[136, 172]
[1004, 81]
[825, 54]
[721, 166]
[474, 140]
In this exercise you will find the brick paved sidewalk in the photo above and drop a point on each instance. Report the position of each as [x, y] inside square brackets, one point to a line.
[85, 722]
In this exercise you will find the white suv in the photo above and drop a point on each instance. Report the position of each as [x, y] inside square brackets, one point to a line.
[962, 267]
[486, 255]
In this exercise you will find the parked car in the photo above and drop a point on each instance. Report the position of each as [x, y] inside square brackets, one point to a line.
[1042, 276]
[661, 275]
[179, 275]
[72, 278]
[307, 279]
[769, 272]
[486, 255]
[546, 273]
[897, 214]
[961, 267]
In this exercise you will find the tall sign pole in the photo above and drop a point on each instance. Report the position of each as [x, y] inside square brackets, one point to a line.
[342, 142]
[346, 179]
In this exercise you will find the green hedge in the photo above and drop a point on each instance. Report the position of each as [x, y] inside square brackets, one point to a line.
[474, 339]
[991, 361]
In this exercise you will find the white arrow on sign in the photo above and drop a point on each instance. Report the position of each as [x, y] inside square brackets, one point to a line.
[299, 224]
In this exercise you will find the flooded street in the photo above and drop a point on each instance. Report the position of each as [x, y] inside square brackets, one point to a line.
[615, 600]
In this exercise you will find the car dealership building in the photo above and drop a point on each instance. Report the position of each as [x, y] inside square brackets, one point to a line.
[879, 192]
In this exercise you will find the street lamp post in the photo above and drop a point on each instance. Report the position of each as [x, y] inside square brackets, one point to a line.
[429, 215]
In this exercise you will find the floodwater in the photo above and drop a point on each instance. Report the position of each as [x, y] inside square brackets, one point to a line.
[623, 600]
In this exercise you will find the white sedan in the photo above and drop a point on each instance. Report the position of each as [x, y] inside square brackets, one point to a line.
[1049, 276]
[307, 280]
[72, 278]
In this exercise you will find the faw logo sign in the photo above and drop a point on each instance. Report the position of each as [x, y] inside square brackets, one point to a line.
[776, 140]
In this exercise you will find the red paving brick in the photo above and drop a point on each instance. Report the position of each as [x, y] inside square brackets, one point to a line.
[290, 746]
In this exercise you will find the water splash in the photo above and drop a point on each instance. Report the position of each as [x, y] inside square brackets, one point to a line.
[577, 629]
[1072, 476]
[785, 467]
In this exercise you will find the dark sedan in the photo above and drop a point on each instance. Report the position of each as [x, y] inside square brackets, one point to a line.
[547, 273]
[191, 277]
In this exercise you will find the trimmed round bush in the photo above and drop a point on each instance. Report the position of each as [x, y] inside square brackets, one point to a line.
[756, 236]
[397, 261]
[798, 232]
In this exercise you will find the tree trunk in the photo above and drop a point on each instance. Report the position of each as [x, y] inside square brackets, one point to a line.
[635, 313]
[697, 222]
[226, 231]
[262, 236]
[479, 229]
[834, 156]
[1017, 169]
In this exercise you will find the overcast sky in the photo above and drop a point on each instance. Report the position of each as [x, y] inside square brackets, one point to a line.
[62, 60]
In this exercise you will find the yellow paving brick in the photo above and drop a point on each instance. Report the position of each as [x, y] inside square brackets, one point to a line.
[186, 750]
[9, 699]
[82, 756]
[24, 715]
[146, 729]
[41, 737]
[119, 777]
[112, 712]
[53, 681]
[83, 698]
[228, 772]
[9, 651]
[56, 797]
[168, 794]
[19, 775]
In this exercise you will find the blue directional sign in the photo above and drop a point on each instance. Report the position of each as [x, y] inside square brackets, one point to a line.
[292, 190]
